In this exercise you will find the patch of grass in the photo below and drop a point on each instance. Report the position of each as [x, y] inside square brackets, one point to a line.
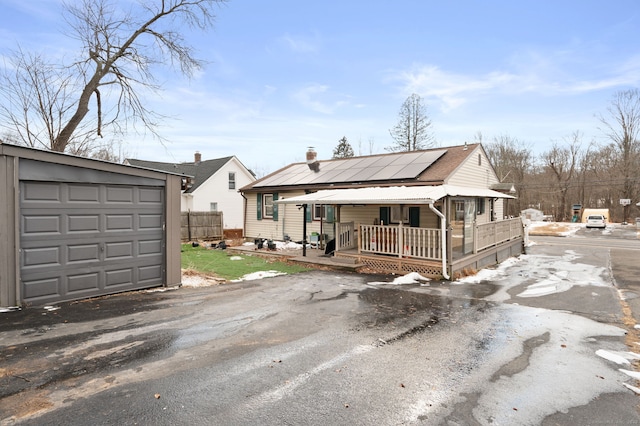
[219, 263]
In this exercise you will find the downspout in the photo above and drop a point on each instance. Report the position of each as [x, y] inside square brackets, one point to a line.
[443, 237]
[244, 215]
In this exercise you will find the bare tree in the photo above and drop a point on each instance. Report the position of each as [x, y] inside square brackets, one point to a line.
[412, 132]
[622, 128]
[562, 162]
[512, 161]
[49, 104]
[343, 149]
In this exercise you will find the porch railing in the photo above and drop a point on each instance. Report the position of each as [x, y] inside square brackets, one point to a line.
[494, 233]
[400, 241]
[346, 238]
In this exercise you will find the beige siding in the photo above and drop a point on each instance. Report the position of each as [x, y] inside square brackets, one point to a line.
[367, 214]
[474, 173]
[290, 220]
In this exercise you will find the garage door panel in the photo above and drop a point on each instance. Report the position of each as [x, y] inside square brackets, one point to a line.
[150, 221]
[41, 289]
[82, 253]
[83, 223]
[152, 274]
[38, 192]
[41, 257]
[83, 194]
[150, 196]
[118, 277]
[149, 247]
[119, 194]
[119, 222]
[83, 283]
[84, 240]
[119, 250]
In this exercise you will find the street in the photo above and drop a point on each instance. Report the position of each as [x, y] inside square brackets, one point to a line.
[546, 339]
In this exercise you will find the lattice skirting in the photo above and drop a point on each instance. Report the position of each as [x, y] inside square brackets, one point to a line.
[389, 265]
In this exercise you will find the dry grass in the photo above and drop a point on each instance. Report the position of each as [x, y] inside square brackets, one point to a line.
[551, 229]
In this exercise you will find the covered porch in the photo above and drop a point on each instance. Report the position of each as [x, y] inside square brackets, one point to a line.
[440, 251]
[402, 249]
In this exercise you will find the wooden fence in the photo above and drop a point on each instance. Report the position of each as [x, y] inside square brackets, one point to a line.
[201, 226]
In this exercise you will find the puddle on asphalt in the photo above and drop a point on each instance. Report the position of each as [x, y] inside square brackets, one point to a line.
[399, 307]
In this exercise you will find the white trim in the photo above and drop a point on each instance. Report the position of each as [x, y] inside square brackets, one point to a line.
[391, 195]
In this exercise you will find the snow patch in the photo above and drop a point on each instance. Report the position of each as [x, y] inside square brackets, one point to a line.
[491, 274]
[410, 278]
[235, 258]
[10, 309]
[633, 374]
[617, 357]
[258, 276]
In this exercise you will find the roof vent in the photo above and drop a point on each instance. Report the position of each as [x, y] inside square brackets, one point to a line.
[312, 160]
[197, 157]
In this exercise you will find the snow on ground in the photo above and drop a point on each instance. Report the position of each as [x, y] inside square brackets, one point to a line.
[566, 354]
[258, 276]
[281, 245]
[548, 274]
[617, 357]
[491, 274]
[410, 278]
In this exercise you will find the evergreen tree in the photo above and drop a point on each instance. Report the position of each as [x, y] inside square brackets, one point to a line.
[344, 149]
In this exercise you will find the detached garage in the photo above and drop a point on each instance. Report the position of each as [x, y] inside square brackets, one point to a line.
[72, 228]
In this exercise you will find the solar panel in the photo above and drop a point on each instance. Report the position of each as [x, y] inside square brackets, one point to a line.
[403, 165]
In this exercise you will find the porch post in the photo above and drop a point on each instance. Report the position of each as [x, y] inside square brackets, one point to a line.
[304, 230]
[400, 239]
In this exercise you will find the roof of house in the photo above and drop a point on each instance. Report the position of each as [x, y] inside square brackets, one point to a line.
[201, 171]
[431, 166]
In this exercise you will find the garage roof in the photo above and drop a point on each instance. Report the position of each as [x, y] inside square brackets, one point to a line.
[391, 195]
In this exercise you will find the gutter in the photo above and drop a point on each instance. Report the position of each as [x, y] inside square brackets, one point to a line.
[443, 236]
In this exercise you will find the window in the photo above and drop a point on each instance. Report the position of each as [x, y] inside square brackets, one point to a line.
[232, 180]
[213, 207]
[399, 214]
[319, 212]
[267, 205]
[480, 205]
[459, 211]
[479, 159]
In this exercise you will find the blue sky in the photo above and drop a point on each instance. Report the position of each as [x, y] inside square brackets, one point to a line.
[283, 75]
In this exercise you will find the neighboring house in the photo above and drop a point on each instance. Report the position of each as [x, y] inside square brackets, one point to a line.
[431, 211]
[214, 186]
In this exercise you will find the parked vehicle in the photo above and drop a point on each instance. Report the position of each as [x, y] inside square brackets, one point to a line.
[596, 221]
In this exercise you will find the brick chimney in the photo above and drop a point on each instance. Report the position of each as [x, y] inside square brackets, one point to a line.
[312, 160]
[197, 157]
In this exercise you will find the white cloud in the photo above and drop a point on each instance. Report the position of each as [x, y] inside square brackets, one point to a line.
[309, 96]
[300, 44]
[555, 74]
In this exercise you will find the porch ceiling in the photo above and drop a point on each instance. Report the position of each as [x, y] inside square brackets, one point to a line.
[391, 195]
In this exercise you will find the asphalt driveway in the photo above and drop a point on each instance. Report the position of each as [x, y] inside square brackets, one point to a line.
[541, 340]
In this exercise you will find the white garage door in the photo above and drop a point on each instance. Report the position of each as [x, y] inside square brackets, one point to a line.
[82, 240]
